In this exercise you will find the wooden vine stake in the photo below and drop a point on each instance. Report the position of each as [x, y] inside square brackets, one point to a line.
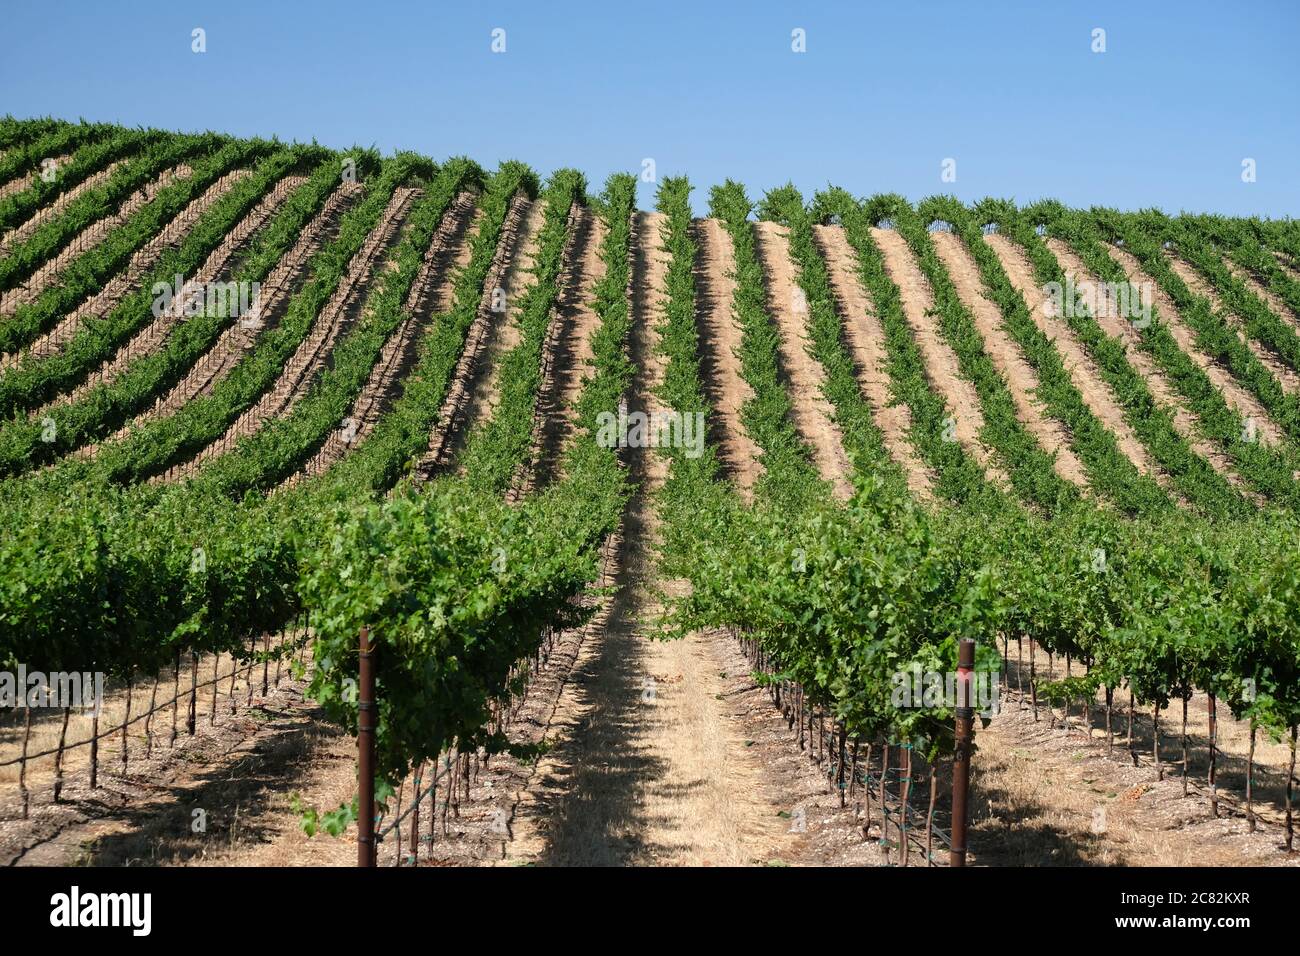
[929, 817]
[906, 802]
[1110, 737]
[1290, 783]
[843, 736]
[194, 692]
[22, 763]
[1131, 752]
[401, 790]
[94, 751]
[1033, 679]
[884, 813]
[366, 754]
[1186, 766]
[148, 719]
[965, 728]
[415, 818]
[266, 664]
[1155, 740]
[58, 757]
[126, 720]
[1213, 730]
[866, 792]
[1020, 669]
[1250, 781]
[216, 689]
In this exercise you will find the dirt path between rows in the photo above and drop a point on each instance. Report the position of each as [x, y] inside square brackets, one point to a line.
[665, 753]
[46, 213]
[95, 233]
[1288, 265]
[28, 179]
[660, 753]
[719, 345]
[573, 322]
[102, 303]
[505, 333]
[1238, 399]
[866, 341]
[1083, 371]
[215, 268]
[1020, 377]
[1266, 295]
[810, 410]
[279, 287]
[1285, 375]
[449, 427]
[1184, 421]
[429, 296]
[942, 369]
[204, 798]
[1048, 793]
[339, 315]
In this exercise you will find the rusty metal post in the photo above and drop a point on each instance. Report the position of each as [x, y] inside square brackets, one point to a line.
[366, 755]
[961, 755]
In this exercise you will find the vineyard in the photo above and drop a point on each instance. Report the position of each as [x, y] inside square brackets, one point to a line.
[652, 522]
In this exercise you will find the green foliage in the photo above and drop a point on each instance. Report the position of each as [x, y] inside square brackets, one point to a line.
[496, 452]
[863, 440]
[107, 406]
[959, 478]
[91, 157]
[1151, 422]
[101, 570]
[1269, 470]
[786, 459]
[94, 204]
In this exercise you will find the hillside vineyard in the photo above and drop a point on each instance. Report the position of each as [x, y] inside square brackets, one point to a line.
[255, 397]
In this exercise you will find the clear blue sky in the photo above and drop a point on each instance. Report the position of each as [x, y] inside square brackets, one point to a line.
[884, 93]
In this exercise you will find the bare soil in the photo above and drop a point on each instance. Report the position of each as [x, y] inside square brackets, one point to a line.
[1184, 421]
[124, 283]
[1240, 400]
[1021, 378]
[214, 269]
[866, 342]
[339, 314]
[97, 231]
[719, 343]
[20, 183]
[664, 751]
[1052, 792]
[281, 284]
[430, 295]
[943, 371]
[570, 353]
[449, 427]
[1264, 294]
[1285, 375]
[1084, 373]
[46, 213]
[505, 333]
[190, 798]
[804, 377]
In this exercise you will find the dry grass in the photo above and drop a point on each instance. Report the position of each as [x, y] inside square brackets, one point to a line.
[1050, 793]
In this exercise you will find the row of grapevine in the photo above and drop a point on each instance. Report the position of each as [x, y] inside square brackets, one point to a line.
[1162, 602]
[187, 567]
[1269, 470]
[1152, 423]
[107, 405]
[101, 568]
